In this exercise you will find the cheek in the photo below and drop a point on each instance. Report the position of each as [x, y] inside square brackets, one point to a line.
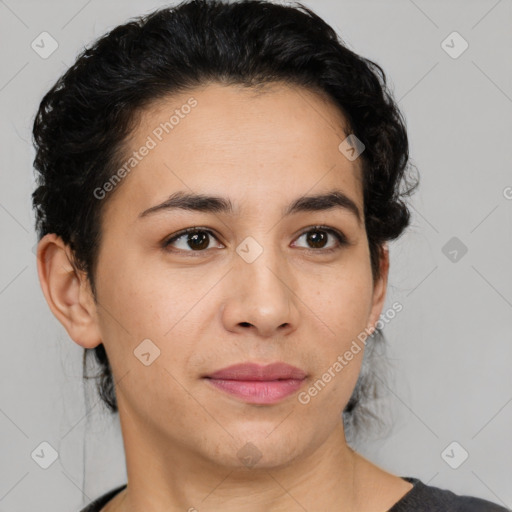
[344, 303]
[146, 330]
[135, 308]
[343, 307]
[141, 303]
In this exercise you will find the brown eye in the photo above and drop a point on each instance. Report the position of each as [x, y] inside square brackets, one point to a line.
[199, 240]
[317, 238]
[191, 240]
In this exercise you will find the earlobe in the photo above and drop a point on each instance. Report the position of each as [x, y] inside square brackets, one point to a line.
[67, 291]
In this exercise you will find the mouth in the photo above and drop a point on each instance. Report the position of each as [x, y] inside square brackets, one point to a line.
[258, 384]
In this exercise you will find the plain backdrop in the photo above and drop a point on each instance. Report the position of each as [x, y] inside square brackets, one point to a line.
[450, 346]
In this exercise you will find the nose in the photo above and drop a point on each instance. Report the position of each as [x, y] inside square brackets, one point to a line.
[261, 297]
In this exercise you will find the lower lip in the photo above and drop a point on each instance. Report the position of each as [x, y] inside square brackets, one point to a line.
[259, 392]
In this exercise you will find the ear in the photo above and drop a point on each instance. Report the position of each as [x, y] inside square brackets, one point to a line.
[380, 288]
[67, 291]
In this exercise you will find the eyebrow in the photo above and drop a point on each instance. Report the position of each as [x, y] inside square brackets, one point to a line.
[215, 204]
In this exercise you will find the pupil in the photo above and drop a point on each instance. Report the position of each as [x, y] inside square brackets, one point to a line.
[195, 237]
[314, 239]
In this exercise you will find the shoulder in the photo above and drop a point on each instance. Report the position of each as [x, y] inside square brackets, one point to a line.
[100, 502]
[425, 498]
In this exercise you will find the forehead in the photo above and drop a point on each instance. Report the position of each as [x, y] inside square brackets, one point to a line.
[238, 142]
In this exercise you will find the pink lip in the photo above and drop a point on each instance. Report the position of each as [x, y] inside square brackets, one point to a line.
[252, 371]
[259, 384]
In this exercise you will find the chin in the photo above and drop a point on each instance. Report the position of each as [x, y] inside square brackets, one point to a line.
[258, 448]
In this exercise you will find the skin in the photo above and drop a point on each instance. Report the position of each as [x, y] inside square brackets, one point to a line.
[212, 309]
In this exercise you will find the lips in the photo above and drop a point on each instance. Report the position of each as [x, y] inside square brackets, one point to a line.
[256, 384]
[255, 372]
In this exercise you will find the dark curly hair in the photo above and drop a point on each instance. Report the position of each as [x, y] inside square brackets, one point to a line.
[85, 119]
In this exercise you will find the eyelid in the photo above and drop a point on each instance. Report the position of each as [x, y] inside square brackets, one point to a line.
[183, 232]
[338, 235]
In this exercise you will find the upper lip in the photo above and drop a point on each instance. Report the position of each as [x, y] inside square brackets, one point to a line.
[256, 372]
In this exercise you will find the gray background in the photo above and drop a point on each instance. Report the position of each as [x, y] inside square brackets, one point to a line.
[450, 346]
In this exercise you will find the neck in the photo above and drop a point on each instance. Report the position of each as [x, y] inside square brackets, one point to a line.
[164, 476]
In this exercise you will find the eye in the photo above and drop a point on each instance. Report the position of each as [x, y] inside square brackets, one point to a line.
[198, 239]
[191, 240]
[317, 237]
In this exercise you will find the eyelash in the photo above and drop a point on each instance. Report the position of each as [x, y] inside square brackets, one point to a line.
[341, 239]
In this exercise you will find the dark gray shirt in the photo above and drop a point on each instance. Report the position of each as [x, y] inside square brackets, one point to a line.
[421, 498]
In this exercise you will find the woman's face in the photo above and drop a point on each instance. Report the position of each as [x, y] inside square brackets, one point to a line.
[255, 284]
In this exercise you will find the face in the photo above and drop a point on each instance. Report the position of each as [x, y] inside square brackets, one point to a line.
[254, 283]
